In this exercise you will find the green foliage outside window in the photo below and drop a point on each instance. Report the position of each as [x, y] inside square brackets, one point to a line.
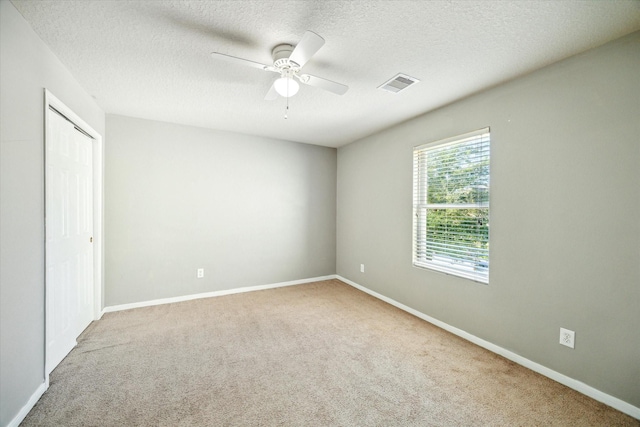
[458, 174]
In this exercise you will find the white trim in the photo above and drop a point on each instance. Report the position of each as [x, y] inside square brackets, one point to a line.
[24, 411]
[579, 386]
[213, 294]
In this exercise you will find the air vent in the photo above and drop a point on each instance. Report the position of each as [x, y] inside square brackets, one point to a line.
[398, 83]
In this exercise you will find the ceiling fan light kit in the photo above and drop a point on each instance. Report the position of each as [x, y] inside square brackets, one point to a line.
[286, 86]
[288, 61]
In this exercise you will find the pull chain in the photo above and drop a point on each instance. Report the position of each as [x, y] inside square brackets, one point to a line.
[286, 110]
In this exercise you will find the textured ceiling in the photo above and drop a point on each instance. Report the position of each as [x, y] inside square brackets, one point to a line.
[150, 59]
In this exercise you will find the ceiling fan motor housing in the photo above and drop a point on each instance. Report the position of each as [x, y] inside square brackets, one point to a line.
[281, 54]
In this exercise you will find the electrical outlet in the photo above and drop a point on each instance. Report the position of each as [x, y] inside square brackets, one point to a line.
[200, 273]
[361, 268]
[567, 337]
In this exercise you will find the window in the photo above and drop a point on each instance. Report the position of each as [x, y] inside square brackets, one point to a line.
[451, 205]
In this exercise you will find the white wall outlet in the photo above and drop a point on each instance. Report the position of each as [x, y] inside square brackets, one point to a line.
[200, 273]
[361, 268]
[567, 337]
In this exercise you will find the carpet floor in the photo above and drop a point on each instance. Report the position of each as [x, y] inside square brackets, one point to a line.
[316, 354]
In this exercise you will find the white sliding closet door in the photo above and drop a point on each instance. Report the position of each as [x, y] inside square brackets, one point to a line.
[69, 231]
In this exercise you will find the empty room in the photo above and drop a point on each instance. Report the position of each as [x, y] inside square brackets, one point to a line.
[319, 213]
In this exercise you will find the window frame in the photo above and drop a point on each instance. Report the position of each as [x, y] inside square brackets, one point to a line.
[421, 206]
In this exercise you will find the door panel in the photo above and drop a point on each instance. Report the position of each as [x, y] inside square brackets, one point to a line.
[84, 231]
[69, 228]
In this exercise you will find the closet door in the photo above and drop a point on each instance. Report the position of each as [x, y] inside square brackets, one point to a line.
[69, 234]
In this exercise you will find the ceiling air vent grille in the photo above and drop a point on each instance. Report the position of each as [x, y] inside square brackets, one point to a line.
[398, 83]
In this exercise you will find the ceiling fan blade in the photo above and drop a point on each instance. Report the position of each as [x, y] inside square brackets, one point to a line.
[242, 61]
[325, 84]
[272, 94]
[308, 46]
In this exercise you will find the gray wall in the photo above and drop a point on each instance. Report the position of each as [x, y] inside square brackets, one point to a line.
[27, 66]
[249, 210]
[565, 203]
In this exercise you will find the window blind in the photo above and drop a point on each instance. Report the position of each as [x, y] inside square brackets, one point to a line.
[451, 205]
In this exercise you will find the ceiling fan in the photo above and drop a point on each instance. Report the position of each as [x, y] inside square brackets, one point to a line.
[288, 60]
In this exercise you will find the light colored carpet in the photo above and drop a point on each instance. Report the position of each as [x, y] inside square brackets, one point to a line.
[308, 355]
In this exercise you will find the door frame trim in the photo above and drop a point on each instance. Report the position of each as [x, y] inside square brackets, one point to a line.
[98, 241]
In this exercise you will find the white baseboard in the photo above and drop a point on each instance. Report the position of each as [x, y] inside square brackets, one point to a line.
[212, 294]
[15, 422]
[579, 386]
